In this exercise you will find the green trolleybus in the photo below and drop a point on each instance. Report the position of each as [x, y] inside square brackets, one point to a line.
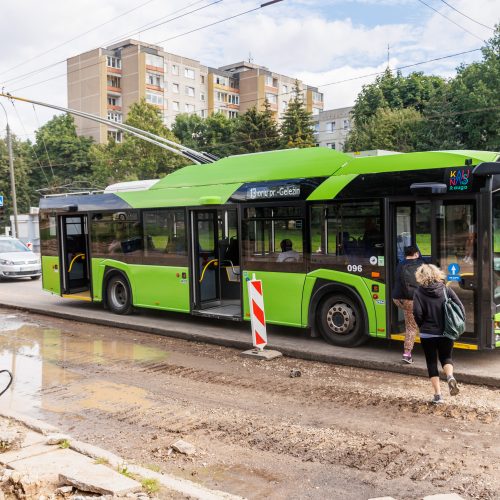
[324, 232]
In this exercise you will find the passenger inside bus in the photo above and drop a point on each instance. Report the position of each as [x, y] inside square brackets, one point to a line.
[288, 254]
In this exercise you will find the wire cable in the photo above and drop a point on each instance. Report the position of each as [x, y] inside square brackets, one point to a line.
[75, 38]
[468, 17]
[450, 20]
[43, 140]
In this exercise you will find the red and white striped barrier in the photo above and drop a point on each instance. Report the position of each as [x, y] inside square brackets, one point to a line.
[257, 314]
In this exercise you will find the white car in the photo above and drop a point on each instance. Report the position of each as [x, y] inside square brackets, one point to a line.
[17, 260]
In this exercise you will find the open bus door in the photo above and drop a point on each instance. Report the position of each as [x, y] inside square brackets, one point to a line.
[215, 270]
[74, 256]
[445, 233]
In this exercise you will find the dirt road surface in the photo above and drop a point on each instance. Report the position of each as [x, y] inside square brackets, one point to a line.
[334, 432]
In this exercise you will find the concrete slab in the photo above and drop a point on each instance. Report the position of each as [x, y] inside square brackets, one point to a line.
[34, 450]
[100, 479]
[31, 438]
[265, 355]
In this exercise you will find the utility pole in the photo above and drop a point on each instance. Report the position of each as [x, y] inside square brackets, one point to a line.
[12, 181]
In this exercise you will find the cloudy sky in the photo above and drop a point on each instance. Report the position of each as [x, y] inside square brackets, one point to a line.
[323, 42]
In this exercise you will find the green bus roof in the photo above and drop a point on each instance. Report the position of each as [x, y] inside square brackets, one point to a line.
[214, 183]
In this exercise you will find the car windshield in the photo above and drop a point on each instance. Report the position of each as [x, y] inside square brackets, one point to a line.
[12, 246]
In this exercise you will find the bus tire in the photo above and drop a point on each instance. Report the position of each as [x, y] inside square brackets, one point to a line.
[118, 295]
[340, 321]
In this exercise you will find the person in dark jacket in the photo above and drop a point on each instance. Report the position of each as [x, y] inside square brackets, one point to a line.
[428, 311]
[402, 295]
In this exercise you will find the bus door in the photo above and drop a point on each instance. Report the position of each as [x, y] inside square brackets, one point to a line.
[74, 262]
[444, 231]
[215, 269]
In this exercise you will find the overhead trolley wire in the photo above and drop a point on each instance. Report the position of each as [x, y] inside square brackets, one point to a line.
[76, 37]
[43, 68]
[43, 140]
[468, 17]
[450, 20]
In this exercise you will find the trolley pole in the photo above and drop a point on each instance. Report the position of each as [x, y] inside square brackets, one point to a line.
[12, 181]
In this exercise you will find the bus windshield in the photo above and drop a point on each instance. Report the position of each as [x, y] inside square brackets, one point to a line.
[496, 246]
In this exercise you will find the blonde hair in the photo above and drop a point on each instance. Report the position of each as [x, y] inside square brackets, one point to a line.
[427, 274]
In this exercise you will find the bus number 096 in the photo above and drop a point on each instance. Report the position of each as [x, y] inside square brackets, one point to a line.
[355, 268]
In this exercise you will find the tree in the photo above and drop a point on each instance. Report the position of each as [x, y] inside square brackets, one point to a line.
[136, 159]
[60, 157]
[190, 130]
[256, 130]
[395, 130]
[297, 130]
[218, 133]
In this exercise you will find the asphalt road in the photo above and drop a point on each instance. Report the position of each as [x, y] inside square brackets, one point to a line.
[471, 366]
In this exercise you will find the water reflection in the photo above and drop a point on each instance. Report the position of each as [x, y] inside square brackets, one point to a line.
[38, 358]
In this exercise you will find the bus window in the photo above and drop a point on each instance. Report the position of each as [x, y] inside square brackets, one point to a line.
[496, 247]
[165, 237]
[273, 235]
[348, 232]
[117, 235]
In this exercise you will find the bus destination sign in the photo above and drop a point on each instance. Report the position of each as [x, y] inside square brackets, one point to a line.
[273, 192]
[459, 179]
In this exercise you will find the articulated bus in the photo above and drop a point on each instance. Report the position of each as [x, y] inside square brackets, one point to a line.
[323, 231]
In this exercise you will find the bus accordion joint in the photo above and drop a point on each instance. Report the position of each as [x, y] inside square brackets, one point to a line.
[215, 262]
[77, 256]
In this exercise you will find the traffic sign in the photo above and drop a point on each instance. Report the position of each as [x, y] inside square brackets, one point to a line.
[454, 269]
[257, 315]
[1, 200]
[452, 277]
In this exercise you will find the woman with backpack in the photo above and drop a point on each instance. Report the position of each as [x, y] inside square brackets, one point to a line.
[429, 313]
[405, 286]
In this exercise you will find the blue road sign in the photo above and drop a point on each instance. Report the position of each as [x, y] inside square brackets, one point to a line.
[452, 277]
[454, 269]
[1, 200]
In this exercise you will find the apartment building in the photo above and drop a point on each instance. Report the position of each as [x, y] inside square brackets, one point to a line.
[107, 81]
[332, 127]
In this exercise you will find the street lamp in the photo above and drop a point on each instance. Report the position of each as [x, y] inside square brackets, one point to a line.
[11, 169]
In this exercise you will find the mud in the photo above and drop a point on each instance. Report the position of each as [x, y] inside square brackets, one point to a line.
[334, 432]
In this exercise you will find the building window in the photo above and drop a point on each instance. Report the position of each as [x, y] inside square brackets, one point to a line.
[114, 81]
[222, 80]
[331, 145]
[202, 113]
[221, 96]
[190, 91]
[154, 79]
[175, 69]
[317, 96]
[232, 114]
[316, 128]
[113, 62]
[316, 111]
[154, 98]
[115, 135]
[233, 99]
[202, 78]
[271, 82]
[272, 98]
[115, 117]
[189, 73]
[346, 124]
[202, 97]
[175, 105]
[285, 89]
[330, 126]
[153, 60]
[284, 105]
[189, 108]
[175, 88]
[114, 101]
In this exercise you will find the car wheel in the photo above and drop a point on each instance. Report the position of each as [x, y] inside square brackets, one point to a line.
[119, 297]
[341, 321]
[35, 277]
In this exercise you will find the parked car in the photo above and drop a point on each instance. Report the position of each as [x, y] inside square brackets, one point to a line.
[17, 260]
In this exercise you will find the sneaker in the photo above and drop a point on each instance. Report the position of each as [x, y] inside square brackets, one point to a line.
[407, 359]
[452, 384]
[437, 399]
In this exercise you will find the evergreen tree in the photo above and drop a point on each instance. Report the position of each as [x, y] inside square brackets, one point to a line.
[190, 130]
[219, 140]
[297, 130]
[256, 130]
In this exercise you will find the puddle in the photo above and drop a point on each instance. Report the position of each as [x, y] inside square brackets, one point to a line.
[38, 358]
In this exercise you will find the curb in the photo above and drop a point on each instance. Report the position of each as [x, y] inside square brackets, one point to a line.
[184, 486]
[291, 352]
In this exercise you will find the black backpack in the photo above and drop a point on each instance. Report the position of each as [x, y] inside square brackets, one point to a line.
[408, 276]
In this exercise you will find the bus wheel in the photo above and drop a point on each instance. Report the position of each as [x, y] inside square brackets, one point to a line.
[118, 295]
[340, 321]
